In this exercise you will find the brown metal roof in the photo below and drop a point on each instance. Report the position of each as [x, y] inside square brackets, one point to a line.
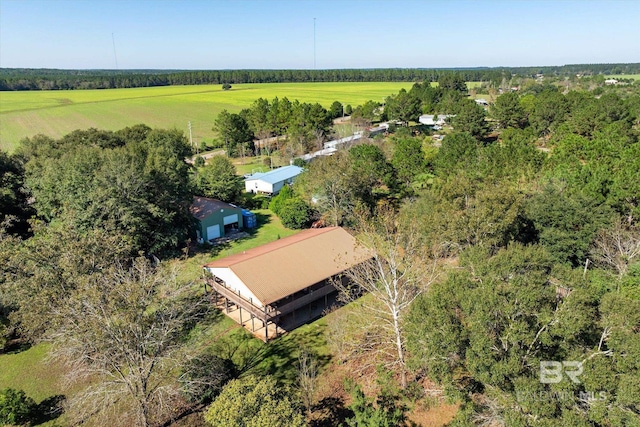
[288, 265]
[202, 207]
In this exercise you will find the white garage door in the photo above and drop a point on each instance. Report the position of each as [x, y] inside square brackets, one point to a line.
[213, 232]
[231, 219]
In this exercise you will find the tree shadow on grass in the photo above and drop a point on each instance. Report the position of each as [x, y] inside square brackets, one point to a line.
[49, 409]
[330, 412]
[16, 345]
[261, 220]
[280, 356]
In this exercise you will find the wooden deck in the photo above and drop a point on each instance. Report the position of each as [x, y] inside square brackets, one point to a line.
[270, 322]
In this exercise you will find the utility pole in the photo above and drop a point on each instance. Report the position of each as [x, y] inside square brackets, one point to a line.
[113, 41]
[190, 135]
[314, 44]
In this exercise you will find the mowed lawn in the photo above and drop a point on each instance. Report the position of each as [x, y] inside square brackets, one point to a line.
[29, 370]
[56, 113]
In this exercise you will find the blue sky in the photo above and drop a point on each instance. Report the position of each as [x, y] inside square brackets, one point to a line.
[230, 34]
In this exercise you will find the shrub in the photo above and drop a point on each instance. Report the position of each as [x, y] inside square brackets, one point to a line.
[254, 402]
[278, 201]
[386, 412]
[226, 86]
[15, 407]
[295, 213]
[300, 163]
[198, 162]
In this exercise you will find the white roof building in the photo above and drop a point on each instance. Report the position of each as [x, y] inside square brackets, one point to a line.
[271, 182]
[432, 120]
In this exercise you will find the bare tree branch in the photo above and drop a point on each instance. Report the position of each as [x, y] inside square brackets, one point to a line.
[123, 332]
[395, 275]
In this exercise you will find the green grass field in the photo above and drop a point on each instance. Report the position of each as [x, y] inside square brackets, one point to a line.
[56, 113]
[624, 76]
[29, 371]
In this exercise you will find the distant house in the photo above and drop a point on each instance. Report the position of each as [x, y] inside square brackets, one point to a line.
[482, 102]
[611, 82]
[271, 182]
[214, 218]
[286, 282]
[433, 120]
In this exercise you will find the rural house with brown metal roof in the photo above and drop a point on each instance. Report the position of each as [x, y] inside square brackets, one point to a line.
[285, 283]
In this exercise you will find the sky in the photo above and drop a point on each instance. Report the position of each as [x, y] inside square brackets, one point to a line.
[265, 34]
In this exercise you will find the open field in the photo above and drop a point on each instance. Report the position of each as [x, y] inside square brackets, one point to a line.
[623, 76]
[55, 113]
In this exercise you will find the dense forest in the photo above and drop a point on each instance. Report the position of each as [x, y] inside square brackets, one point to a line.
[511, 244]
[52, 79]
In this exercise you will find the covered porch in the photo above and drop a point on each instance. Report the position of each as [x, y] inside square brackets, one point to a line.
[269, 321]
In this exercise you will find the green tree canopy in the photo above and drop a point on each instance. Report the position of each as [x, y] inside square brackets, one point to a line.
[295, 213]
[234, 130]
[15, 407]
[470, 118]
[566, 224]
[140, 190]
[328, 188]
[218, 179]
[254, 402]
[508, 111]
[14, 206]
[336, 109]
[408, 159]
[459, 151]
[452, 82]
[403, 106]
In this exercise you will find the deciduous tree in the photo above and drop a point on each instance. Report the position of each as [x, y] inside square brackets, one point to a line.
[124, 330]
[617, 247]
[327, 187]
[219, 180]
[395, 275]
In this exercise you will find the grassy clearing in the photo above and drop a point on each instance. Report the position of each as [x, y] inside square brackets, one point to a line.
[270, 228]
[56, 113]
[623, 76]
[28, 370]
[256, 164]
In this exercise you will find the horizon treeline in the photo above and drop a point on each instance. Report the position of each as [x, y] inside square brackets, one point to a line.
[13, 79]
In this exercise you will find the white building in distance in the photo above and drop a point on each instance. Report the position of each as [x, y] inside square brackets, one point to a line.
[271, 182]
